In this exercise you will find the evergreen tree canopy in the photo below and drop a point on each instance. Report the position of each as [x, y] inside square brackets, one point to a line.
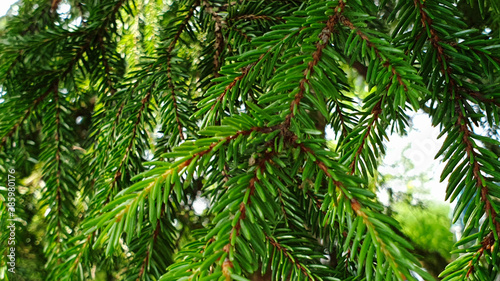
[125, 113]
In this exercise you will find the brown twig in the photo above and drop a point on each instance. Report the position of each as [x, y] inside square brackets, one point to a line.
[324, 36]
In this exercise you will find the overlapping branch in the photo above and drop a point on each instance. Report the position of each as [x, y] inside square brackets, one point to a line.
[462, 122]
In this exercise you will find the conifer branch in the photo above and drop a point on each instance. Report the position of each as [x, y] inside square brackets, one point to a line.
[228, 88]
[358, 209]
[54, 5]
[324, 36]
[243, 34]
[290, 257]
[235, 231]
[279, 198]
[464, 127]
[140, 113]
[170, 49]
[107, 68]
[194, 157]
[463, 122]
[150, 249]
[342, 118]
[385, 62]
[219, 37]
[63, 74]
[28, 112]
[376, 111]
[255, 17]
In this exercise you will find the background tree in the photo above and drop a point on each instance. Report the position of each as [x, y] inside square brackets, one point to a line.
[130, 111]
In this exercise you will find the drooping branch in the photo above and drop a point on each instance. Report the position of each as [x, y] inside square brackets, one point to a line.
[463, 122]
[376, 111]
[170, 49]
[156, 232]
[107, 67]
[235, 231]
[324, 36]
[27, 113]
[62, 75]
[385, 62]
[290, 257]
[219, 37]
[57, 139]
[195, 157]
[140, 113]
[356, 206]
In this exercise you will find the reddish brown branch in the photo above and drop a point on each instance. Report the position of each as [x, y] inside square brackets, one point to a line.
[487, 244]
[244, 72]
[320, 46]
[464, 125]
[243, 34]
[435, 40]
[86, 243]
[289, 256]
[235, 231]
[375, 115]
[462, 122]
[482, 98]
[356, 206]
[25, 116]
[385, 62]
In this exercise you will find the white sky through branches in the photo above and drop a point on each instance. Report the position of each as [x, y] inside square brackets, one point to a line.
[5, 5]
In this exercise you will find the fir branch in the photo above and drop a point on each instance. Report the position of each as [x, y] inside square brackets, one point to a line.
[244, 72]
[219, 37]
[235, 231]
[57, 139]
[228, 88]
[376, 111]
[54, 5]
[345, 129]
[28, 112]
[324, 36]
[358, 209]
[243, 34]
[462, 122]
[170, 49]
[289, 256]
[150, 249]
[13, 65]
[187, 162]
[140, 113]
[107, 68]
[61, 77]
[87, 245]
[487, 244]
[465, 128]
[385, 62]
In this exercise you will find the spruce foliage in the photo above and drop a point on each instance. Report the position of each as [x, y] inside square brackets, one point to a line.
[131, 110]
